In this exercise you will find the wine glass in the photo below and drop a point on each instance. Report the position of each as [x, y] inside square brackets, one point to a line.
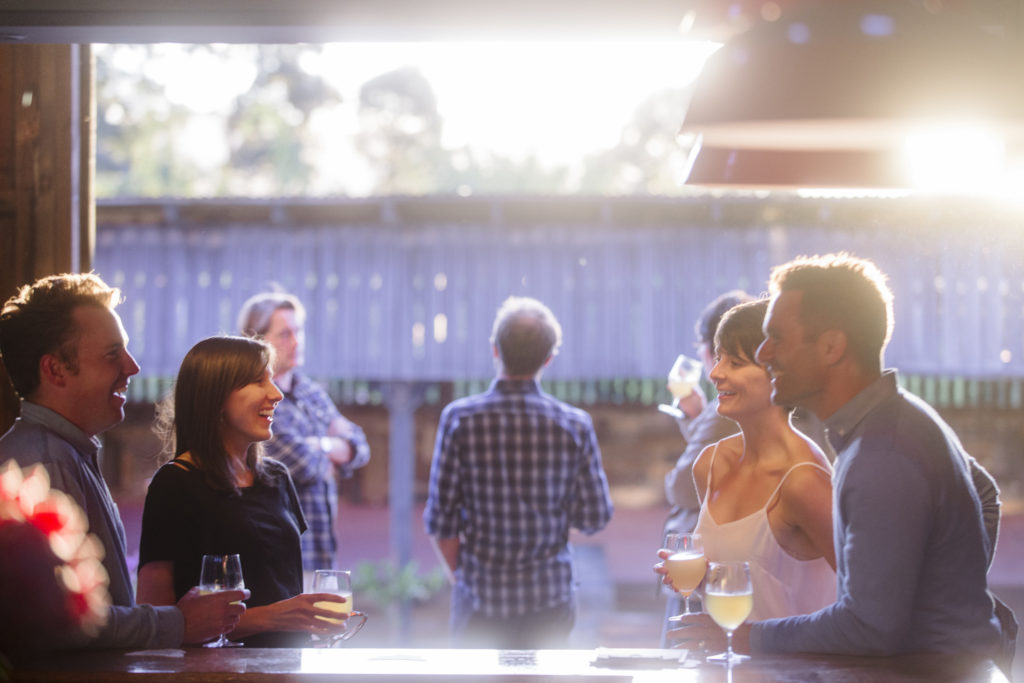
[685, 565]
[683, 378]
[728, 598]
[221, 573]
[338, 582]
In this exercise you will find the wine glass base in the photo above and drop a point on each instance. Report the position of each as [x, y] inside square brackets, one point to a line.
[676, 618]
[224, 643]
[728, 658]
[671, 411]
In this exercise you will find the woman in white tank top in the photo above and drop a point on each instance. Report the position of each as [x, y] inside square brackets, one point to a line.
[766, 493]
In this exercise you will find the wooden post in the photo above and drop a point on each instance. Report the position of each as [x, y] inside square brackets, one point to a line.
[47, 221]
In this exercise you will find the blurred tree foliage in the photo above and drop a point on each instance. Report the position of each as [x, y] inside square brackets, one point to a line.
[400, 133]
[648, 159]
[136, 129]
[265, 145]
[268, 130]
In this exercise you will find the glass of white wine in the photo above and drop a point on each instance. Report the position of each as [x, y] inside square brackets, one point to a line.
[728, 598]
[221, 573]
[338, 582]
[683, 379]
[685, 565]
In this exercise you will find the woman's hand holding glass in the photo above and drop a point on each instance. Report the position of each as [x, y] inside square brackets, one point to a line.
[314, 613]
[332, 594]
[683, 564]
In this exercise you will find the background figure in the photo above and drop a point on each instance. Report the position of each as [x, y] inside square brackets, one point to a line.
[220, 496]
[66, 352]
[513, 470]
[766, 493]
[314, 441]
[701, 426]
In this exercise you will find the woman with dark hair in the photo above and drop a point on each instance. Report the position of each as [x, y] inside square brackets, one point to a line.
[218, 495]
[766, 493]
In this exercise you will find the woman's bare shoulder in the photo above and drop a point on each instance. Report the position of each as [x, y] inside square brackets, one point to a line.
[720, 452]
[731, 445]
[805, 450]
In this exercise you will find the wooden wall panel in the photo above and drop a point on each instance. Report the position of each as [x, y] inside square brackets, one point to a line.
[44, 206]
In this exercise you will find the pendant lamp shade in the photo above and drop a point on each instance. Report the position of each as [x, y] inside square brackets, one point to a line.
[829, 94]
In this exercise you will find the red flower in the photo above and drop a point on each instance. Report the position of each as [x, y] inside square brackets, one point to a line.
[52, 581]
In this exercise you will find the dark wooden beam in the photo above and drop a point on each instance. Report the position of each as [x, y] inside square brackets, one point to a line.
[272, 21]
[46, 215]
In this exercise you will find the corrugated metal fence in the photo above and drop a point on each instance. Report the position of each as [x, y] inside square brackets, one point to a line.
[406, 289]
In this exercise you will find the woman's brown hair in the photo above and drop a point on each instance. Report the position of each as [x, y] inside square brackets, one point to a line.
[210, 371]
[739, 333]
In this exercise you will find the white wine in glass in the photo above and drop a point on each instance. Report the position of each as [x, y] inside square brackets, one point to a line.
[685, 565]
[221, 573]
[728, 598]
[338, 582]
[683, 379]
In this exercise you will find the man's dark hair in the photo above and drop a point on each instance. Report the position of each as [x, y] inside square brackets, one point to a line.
[707, 324]
[841, 292]
[39, 320]
[526, 333]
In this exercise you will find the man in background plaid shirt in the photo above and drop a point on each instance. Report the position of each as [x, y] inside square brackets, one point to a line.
[313, 440]
[514, 469]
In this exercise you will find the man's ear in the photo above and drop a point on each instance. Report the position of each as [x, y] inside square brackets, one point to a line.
[832, 345]
[52, 370]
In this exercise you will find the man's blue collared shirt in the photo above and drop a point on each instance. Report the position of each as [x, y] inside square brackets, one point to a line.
[42, 436]
[911, 549]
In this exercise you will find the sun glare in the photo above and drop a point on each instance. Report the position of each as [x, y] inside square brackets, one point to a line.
[961, 157]
[556, 101]
[203, 81]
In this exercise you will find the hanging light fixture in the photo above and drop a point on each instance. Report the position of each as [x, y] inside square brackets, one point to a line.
[850, 94]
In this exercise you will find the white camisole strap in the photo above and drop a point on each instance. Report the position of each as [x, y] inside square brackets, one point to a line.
[711, 467]
[786, 475]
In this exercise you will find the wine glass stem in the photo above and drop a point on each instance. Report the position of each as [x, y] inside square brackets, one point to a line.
[728, 646]
[686, 603]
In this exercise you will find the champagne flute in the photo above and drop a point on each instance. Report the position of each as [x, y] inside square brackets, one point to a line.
[221, 573]
[685, 565]
[337, 582]
[728, 598]
[683, 378]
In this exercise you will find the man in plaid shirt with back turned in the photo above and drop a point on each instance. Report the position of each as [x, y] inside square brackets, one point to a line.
[514, 469]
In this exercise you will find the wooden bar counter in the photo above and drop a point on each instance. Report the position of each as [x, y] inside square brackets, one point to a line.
[466, 666]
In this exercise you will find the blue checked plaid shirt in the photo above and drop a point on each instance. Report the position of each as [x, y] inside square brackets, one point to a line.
[307, 411]
[514, 469]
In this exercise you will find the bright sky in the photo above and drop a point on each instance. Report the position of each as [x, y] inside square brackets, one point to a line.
[558, 101]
